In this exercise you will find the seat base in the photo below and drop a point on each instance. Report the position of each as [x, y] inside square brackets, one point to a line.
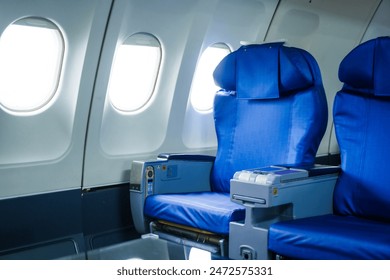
[191, 237]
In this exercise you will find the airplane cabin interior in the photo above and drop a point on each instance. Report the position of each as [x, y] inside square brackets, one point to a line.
[240, 129]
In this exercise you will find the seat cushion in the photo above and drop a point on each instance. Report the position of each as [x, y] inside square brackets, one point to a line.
[331, 237]
[210, 211]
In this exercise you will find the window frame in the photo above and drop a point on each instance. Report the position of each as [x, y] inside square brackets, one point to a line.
[194, 93]
[28, 109]
[142, 39]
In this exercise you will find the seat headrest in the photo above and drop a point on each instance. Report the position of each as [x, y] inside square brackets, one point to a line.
[264, 71]
[367, 68]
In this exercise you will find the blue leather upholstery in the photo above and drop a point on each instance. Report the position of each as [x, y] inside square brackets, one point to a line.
[210, 211]
[271, 110]
[360, 225]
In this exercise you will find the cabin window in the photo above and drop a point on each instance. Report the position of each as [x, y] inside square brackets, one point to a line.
[203, 88]
[31, 55]
[134, 72]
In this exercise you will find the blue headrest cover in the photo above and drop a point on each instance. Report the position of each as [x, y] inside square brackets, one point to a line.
[264, 71]
[367, 68]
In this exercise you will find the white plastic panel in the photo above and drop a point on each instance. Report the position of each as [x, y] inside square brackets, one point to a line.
[231, 24]
[328, 30]
[380, 23]
[43, 152]
[112, 135]
[184, 29]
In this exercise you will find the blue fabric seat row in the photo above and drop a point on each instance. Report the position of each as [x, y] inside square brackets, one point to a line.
[359, 228]
[272, 110]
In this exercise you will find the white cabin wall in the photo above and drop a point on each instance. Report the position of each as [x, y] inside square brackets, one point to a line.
[112, 135]
[380, 23]
[43, 151]
[48, 151]
[328, 30]
[225, 25]
[184, 29]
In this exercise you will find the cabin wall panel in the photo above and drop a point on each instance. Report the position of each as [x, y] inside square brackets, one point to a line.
[225, 25]
[112, 134]
[328, 30]
[184, 30]
[380, 23]
[43, 151]
[38, 218]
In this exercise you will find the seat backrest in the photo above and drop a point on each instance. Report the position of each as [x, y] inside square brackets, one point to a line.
[362, 123]
[272, 109]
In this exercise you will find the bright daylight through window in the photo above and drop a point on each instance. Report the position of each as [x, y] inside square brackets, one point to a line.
[203, 88]
[31, 54]
[134, 72]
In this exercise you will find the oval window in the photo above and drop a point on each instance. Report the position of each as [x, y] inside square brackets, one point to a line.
[203, 88]
[134, 72]
[31, 55]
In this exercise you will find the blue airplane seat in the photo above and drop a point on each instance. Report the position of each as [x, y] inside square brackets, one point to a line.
[271, 109]
[359, 228]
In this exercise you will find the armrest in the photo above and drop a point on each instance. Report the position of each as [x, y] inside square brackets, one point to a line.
[317, 169]
[172, 173]
[309, 191]
[320, 169]
[276, 193]
[186, 157]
